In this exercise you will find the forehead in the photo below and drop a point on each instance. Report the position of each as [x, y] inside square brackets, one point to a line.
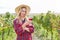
[23, 8]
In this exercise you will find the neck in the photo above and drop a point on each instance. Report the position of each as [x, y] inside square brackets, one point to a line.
[22, 18]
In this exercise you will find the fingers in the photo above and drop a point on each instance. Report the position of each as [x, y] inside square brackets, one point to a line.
[27, 29]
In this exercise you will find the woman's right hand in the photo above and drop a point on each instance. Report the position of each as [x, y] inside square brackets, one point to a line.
[27, 22]
[24, 25]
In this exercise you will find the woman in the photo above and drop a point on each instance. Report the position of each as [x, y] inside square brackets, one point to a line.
[23, 26]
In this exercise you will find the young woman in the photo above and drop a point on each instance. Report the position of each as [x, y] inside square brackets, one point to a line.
[23, 25]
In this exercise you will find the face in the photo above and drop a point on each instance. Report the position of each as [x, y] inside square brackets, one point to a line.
[23, 12]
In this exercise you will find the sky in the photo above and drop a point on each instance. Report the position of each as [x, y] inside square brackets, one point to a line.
[37, 6]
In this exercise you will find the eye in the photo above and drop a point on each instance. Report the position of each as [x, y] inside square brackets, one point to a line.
[23, 11]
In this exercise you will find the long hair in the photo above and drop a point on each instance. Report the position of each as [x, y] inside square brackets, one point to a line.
[18, 14]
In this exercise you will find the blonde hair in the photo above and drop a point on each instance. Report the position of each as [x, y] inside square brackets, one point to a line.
[18, 14]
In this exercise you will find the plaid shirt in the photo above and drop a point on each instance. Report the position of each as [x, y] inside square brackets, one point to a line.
[22, 34]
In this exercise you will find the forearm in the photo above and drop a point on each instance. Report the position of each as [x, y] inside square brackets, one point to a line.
[27, 29]
[31, 28]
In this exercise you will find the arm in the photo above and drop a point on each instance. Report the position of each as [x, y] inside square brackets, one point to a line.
[30, 25]
[30, 29]
[17, 27]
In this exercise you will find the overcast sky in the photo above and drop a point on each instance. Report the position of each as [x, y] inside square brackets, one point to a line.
[37, 6]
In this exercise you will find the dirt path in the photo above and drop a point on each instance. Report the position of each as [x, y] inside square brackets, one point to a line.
[35, 38]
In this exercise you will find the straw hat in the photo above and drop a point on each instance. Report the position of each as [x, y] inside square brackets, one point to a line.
[18, 8]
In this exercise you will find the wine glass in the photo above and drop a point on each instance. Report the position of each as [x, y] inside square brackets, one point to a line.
[30, 17]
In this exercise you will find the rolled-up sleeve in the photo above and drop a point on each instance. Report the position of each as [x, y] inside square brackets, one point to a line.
[17, 27]
[31, 28]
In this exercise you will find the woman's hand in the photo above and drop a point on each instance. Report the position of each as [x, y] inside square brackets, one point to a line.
[25, 24]
[28, 22]
[27, 29]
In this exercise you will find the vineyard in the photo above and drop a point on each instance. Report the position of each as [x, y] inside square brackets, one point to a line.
[47, 26]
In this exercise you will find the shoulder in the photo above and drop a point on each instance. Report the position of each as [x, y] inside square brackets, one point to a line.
[15, 20]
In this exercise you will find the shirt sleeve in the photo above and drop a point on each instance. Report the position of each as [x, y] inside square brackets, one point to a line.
[31, 28]
[17, 27]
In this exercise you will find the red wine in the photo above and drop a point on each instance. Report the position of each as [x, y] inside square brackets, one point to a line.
[30, 19]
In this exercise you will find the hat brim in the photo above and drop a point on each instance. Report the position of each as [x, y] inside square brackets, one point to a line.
[17, 9]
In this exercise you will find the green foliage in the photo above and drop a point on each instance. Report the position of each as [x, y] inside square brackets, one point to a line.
[46, 26]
